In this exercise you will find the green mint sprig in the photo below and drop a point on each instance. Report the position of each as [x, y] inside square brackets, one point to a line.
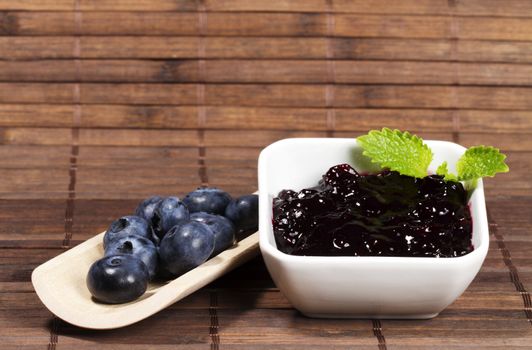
[407, 154]
[480, 161]
[398, 151]
[442, 170]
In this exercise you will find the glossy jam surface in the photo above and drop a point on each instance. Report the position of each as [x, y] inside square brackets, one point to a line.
[384, 214]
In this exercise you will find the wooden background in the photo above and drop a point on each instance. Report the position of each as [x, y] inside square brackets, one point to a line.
[104, 102]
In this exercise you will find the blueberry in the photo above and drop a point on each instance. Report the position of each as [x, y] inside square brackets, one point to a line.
[146, 207]
[186, 246]
[223, 229]
[117, 279]
[207, 199]
[127, 226]
[140, 247]
[244, 213]
[169, 212]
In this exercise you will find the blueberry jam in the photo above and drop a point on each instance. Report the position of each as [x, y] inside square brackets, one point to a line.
[385, 214]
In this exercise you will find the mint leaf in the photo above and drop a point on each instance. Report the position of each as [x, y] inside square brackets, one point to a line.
[398, 151]
[407, 154]
[442, 170]
[480, 161]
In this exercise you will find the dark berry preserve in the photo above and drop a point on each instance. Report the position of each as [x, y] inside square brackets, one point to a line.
[385, 214]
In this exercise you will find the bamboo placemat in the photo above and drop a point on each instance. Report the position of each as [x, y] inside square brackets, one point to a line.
[105, 102]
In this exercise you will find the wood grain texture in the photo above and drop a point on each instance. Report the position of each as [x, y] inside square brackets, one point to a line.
[517, 8]
[274, 95]
[263, 118]
[169, 47]
[268, 71]
[264, 24]
[105, 102]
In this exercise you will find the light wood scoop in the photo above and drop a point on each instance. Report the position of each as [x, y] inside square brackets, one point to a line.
[60, 284]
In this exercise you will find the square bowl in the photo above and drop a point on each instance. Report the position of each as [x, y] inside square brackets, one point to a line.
[368, 286]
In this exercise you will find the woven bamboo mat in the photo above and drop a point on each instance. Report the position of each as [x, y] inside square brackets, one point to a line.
[105, 102]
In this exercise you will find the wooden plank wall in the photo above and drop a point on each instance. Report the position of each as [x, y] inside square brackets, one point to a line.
[104, 102]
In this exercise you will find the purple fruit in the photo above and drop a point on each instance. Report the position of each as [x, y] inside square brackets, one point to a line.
[207, 199]
[140, 247]
[128, 226]
[117, 279]
[223, 229]
[186, 246]
[244, 213]
[169, 212]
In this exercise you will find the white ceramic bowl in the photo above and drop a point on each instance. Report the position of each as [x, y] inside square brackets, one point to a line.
[360, 287]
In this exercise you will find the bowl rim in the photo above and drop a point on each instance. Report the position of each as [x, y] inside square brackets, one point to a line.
[267, 248]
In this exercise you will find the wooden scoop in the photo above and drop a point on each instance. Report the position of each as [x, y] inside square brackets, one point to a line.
[60, 284]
